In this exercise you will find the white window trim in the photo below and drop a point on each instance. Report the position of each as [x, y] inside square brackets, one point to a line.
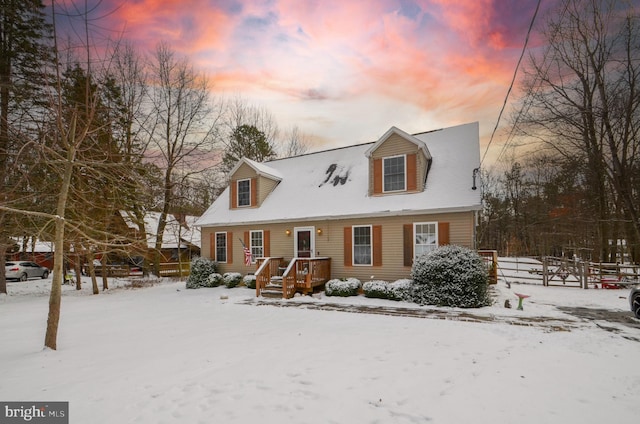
[353, 245]
[251, 246]
[415, 224]
[238, 193]
[405, 174]
[226, 247]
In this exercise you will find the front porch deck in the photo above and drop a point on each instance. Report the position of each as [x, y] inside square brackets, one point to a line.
[300, 275]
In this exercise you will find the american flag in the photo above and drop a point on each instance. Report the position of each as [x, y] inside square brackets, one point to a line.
[247, 255]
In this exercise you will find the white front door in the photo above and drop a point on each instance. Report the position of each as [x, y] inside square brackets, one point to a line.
[304, 242]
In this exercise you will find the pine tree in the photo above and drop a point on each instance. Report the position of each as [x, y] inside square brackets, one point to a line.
[23, 54]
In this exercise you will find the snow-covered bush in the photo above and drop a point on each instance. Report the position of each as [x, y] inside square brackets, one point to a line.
[249, 281]
[231, 279]
[201, 269]
[342, 287]
[376, 288]
[401, 290]
[213, 280]
[450, 276]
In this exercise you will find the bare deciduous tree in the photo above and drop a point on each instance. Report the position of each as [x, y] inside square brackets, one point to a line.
[185, 124]
[581, 99]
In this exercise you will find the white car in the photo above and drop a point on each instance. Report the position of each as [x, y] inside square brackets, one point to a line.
[23, 270]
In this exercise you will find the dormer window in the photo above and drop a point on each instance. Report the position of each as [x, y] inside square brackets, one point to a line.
[394, 169]
[244, 192]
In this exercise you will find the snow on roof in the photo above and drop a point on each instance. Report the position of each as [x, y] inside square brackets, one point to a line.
[172, 233]
[334, 184]
[39, 247]
[393, 130]
[260, 168]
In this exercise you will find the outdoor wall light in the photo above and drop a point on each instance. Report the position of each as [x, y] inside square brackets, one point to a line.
[287, 232]
[319, 231]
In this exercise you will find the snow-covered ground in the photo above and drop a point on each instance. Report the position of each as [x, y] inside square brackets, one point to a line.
[164, 354]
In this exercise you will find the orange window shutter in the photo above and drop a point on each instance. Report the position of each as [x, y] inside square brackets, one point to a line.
[443, 233]
[247, 241]
[254, 192]
[347, 247]
[377, 245]
[212, 246]
[377, 176]
[412, 177]
[229, 247]
[267, 243]
[407, 244]
[233, 193]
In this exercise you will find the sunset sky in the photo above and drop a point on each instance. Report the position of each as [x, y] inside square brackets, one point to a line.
[344, 71]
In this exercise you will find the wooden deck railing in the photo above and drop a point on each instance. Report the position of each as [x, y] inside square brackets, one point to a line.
[304, 274]
[490, 258]
[175, 269]
[267, 269]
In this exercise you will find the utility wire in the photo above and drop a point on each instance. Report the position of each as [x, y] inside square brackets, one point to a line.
[515, 73]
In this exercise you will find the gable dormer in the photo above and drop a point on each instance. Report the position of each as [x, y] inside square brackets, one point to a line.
[250, 183]
[398, 163]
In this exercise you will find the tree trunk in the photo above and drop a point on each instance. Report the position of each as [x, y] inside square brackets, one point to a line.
[3, 276]
[55, 298]
[78, 271]
[92, 273]
[105, 272]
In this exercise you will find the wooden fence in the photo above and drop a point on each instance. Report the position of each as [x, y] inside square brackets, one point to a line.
[552, 271]
[175, 269]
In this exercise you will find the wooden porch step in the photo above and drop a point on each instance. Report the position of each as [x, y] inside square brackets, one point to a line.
[272, 293]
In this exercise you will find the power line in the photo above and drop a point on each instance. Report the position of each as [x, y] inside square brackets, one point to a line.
[515, 73]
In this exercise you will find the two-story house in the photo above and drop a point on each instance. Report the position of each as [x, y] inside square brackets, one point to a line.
[371, 208]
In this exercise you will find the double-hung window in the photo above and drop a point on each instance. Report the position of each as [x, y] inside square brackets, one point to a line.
[362, 245]
[257, 244]
[426, 237]
[244, 192]
[394, 173]
[221, 247]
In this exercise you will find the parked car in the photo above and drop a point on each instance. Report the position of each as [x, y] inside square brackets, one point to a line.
[23, 270]
[634, 301]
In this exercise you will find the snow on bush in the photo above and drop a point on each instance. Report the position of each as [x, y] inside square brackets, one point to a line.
[213, 280]
[249, 281]
[450, 276]
[201, 269]
[231, 279]
[342, 287]
[376, 288]
[401, 290]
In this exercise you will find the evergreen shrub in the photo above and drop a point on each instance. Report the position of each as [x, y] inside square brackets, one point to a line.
[450, 276]
[401, 290]
[213, 280]
[249, 281]
[342, 287]
[231, 279]
[376, 289]
[201, 268]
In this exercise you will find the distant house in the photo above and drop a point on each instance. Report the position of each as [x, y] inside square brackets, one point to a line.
[180, 237]
[370, 208]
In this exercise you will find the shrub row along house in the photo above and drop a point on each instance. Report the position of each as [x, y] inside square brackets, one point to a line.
[364, 211]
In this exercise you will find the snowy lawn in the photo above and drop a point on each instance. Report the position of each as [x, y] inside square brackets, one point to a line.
[168, 355]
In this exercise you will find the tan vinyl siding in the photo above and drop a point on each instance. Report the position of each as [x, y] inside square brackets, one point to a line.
[265, 186]
[422, 165]
[394, 145]
[261, 186]
[331, 243]
[244, 172]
